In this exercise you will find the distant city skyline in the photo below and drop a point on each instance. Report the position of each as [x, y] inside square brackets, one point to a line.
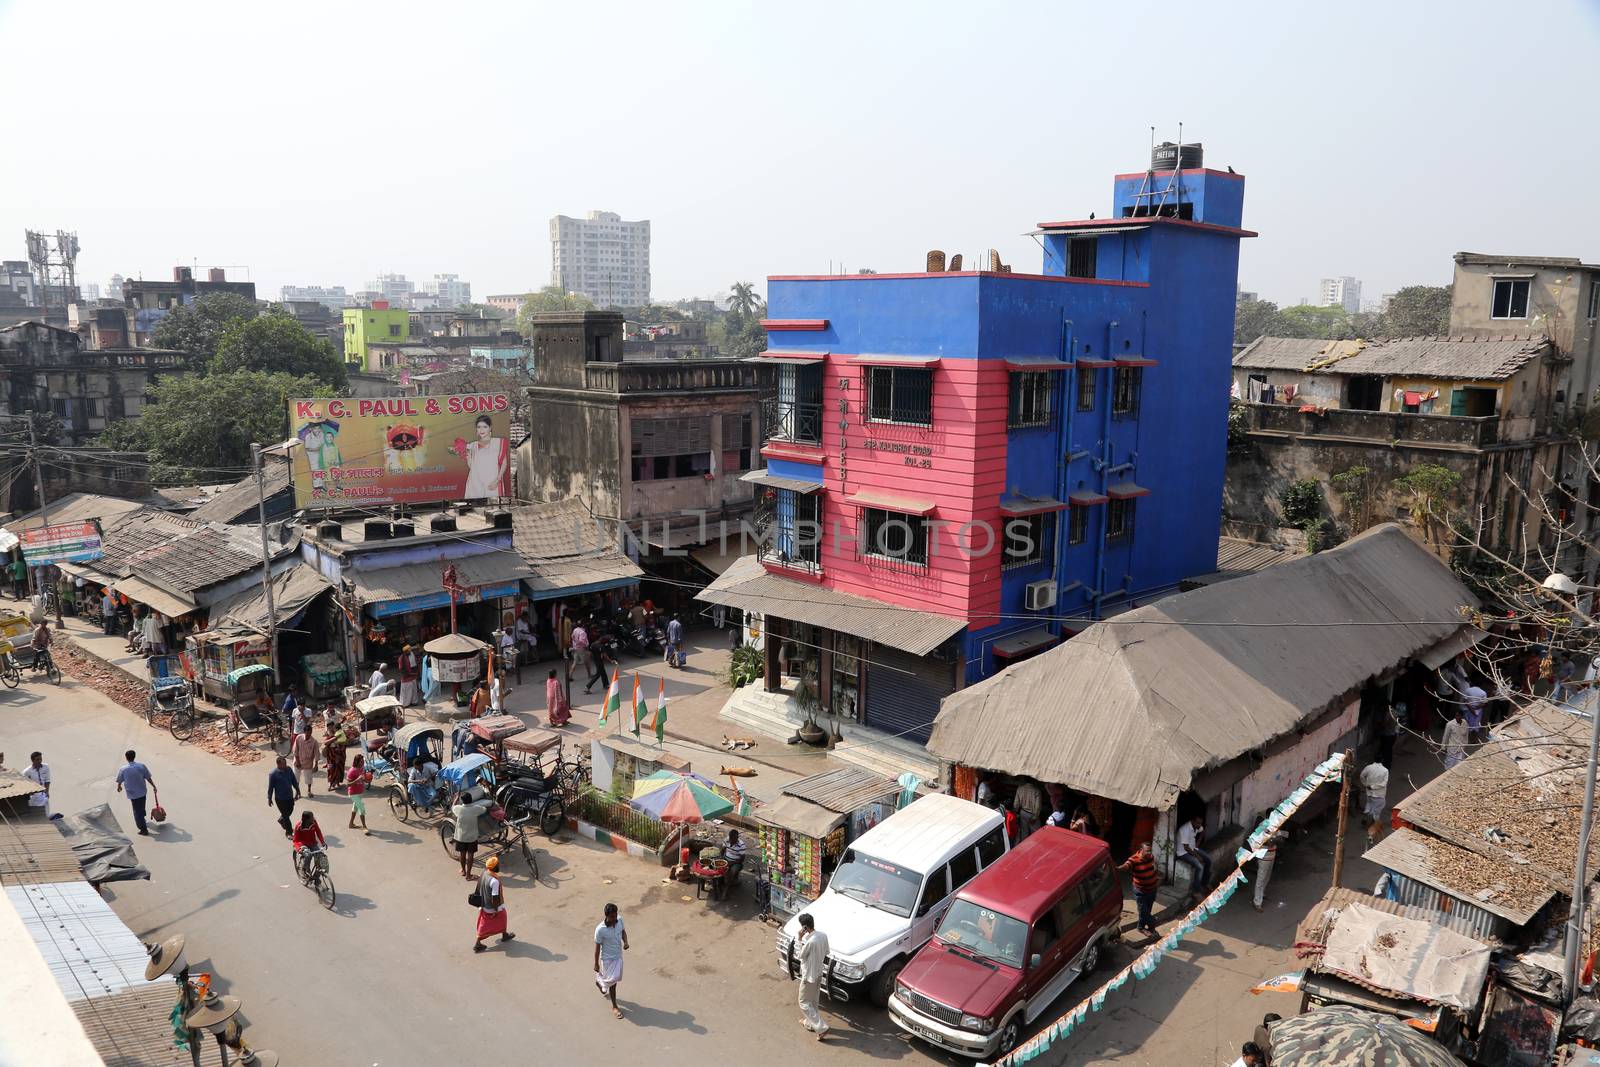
[866, 170]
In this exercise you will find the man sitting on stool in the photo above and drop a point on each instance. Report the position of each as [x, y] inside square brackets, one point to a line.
[734, 852]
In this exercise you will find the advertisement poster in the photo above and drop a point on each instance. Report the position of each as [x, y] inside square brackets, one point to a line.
[400, 450]
[71, 542]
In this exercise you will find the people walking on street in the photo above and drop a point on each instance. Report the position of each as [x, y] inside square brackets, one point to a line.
[491, 906]
[527, 643]
[577, 647]
[355, 784]
[108, 612]
[19, 577]
[813, 961]
[497, 695]
[132, 779]
[557, 711]
[610, 941]
[1389, 733]
[303, 751]
[1191, 855]
[283, 791]
[675, 656]
[1264, 865]
[1374, 798]
[1475, 698]
[596, 651]
[38, 773]
[1142, 865]
[377, 683]
[410, 669]
[478, 704]
[465, 812]
[333, 752]
[293, 712]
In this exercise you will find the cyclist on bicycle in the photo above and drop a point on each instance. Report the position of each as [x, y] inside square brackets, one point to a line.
[41, 637]
[306, 835]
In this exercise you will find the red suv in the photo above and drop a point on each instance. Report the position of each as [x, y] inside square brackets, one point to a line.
[1012, 941]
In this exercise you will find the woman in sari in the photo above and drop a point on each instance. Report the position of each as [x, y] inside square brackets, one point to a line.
[333, 753]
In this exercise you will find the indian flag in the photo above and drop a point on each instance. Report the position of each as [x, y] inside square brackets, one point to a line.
[613, 702]
[660, 723]
[639, 707]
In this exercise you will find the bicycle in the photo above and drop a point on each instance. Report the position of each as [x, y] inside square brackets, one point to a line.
[311, 866]
[44, 661]
[10, 673]
[273, 725]
[184, 720]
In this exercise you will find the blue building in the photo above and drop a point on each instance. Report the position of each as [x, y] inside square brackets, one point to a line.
[993, 459]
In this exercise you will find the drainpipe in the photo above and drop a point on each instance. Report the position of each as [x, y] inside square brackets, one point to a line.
[1063, 459]
[1105, 464]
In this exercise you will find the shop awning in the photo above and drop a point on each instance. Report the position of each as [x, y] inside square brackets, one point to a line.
[718, 558]
[1029, 505]
[895, 360]
[1084, 498]
[799, 816]
[1024, 643]
[420, 586]
[789, 356]
[169, 604]
[872, 498]
[1126, 491]
[1450, 648]
[1036, 363]
[293, 590]
[1135, 361]
[1095, 364]
[778, 481]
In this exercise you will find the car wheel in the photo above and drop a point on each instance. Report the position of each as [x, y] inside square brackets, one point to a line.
[1010, 1034]
[883, 982]
[1091, 957]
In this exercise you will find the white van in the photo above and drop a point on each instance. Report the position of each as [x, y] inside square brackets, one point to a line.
[892, 886]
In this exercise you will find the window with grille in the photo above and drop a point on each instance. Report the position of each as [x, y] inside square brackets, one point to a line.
[1510, 299]
[1086, 389]
[671, 448]
[1119, 520]
[1025, 539]
[1030, 399]
[1082, 254]
[799, 527]
[894, 536]
[736, 442]
[900, 394]
[1077, 525]
[1125, 382]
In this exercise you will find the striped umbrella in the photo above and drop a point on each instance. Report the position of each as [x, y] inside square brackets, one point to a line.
[673, 797]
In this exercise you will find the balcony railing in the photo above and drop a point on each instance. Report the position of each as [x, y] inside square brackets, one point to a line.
[1420, 429]
[793, 421]
[792, 540]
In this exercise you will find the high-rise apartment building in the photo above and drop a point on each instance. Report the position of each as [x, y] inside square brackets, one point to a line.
[1341, 292]
[395, 288]
[451, 290]
[602, 257]
[332, 297]
[114, 290]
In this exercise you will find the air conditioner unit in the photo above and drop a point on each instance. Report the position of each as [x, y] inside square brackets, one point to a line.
[1037, 596]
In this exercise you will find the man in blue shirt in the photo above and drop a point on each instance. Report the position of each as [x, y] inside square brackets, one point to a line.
[675, 655]
[283, 790]
[132, 779]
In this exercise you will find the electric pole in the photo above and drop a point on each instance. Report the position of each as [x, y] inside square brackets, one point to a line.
[44, 506]
[266, 557]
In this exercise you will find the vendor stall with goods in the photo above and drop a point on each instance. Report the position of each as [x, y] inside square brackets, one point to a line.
[805, 831]
[214, 655]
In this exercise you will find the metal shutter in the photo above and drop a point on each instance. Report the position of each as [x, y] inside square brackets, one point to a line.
[903, 692]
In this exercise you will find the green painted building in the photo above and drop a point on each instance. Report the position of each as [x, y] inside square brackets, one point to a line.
[380, 322]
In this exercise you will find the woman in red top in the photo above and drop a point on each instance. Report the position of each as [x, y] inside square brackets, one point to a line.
[308, 833]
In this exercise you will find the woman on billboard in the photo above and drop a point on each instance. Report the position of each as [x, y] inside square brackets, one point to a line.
[488, 462]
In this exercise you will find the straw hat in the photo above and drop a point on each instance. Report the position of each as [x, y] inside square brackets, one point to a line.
[214, 1011]
[165, 958]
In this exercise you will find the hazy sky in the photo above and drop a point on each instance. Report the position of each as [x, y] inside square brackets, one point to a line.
[321, 143]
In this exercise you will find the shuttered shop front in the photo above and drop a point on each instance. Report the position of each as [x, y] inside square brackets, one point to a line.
[903, 692]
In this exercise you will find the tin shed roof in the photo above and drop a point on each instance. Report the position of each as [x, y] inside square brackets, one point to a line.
[1134, 708]
[1456, 358]
[843, 790]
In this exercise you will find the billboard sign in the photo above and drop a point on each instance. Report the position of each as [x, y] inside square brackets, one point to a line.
[70, 542]
[400, 449]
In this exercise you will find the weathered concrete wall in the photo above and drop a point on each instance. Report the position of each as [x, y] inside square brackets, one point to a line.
[1558, 305]
[574, 449]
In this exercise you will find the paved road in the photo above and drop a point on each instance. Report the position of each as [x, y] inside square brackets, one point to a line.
[388, 978]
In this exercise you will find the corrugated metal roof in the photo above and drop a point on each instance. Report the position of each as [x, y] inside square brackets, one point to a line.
[567, 548]
[14, 785]
[77, 507]
[747, 585]
[1141, 704]
[90, 951]
[420, 579]
[32, 851]
[1312, 933]
[1451, 358]
[843, 790]
[1237, 554]
[240, 501]
[292, 589]
[1505, 890]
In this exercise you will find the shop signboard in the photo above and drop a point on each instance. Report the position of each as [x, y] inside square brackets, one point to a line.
[69, 542]
[400, 449]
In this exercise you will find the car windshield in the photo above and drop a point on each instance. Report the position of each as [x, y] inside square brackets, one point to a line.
[872, 881]
[985, 933]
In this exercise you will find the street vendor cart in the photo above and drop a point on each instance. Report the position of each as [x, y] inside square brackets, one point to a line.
[215, 655]
[805, 831]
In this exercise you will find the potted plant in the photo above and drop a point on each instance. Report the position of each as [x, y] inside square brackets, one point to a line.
[806, 696]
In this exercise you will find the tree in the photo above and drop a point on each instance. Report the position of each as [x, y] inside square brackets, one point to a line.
[1430, 489]
[277, 344]
[1357, 488]
[550, 298]
[1418, 311]
[199, 429]
[1256, 318]
[1303, 320]
[197, 328]
[743, 299]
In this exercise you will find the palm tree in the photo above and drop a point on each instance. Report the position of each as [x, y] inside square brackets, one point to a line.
[744, 300]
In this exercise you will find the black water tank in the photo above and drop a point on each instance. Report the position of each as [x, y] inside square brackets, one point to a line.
[499, 520]
[1169, 156]
[442, 524]
[375, 530]
[329, 531]
[404, 529]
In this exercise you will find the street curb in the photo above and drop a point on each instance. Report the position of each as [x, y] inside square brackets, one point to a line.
[611, 840]
[107, 664]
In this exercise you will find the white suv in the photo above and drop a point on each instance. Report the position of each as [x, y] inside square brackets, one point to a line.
[890, 890]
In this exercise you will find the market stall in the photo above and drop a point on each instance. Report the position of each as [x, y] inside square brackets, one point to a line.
[619, 760]
[214, 655]
[322, 674]
[806, 830]
[457, 659]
